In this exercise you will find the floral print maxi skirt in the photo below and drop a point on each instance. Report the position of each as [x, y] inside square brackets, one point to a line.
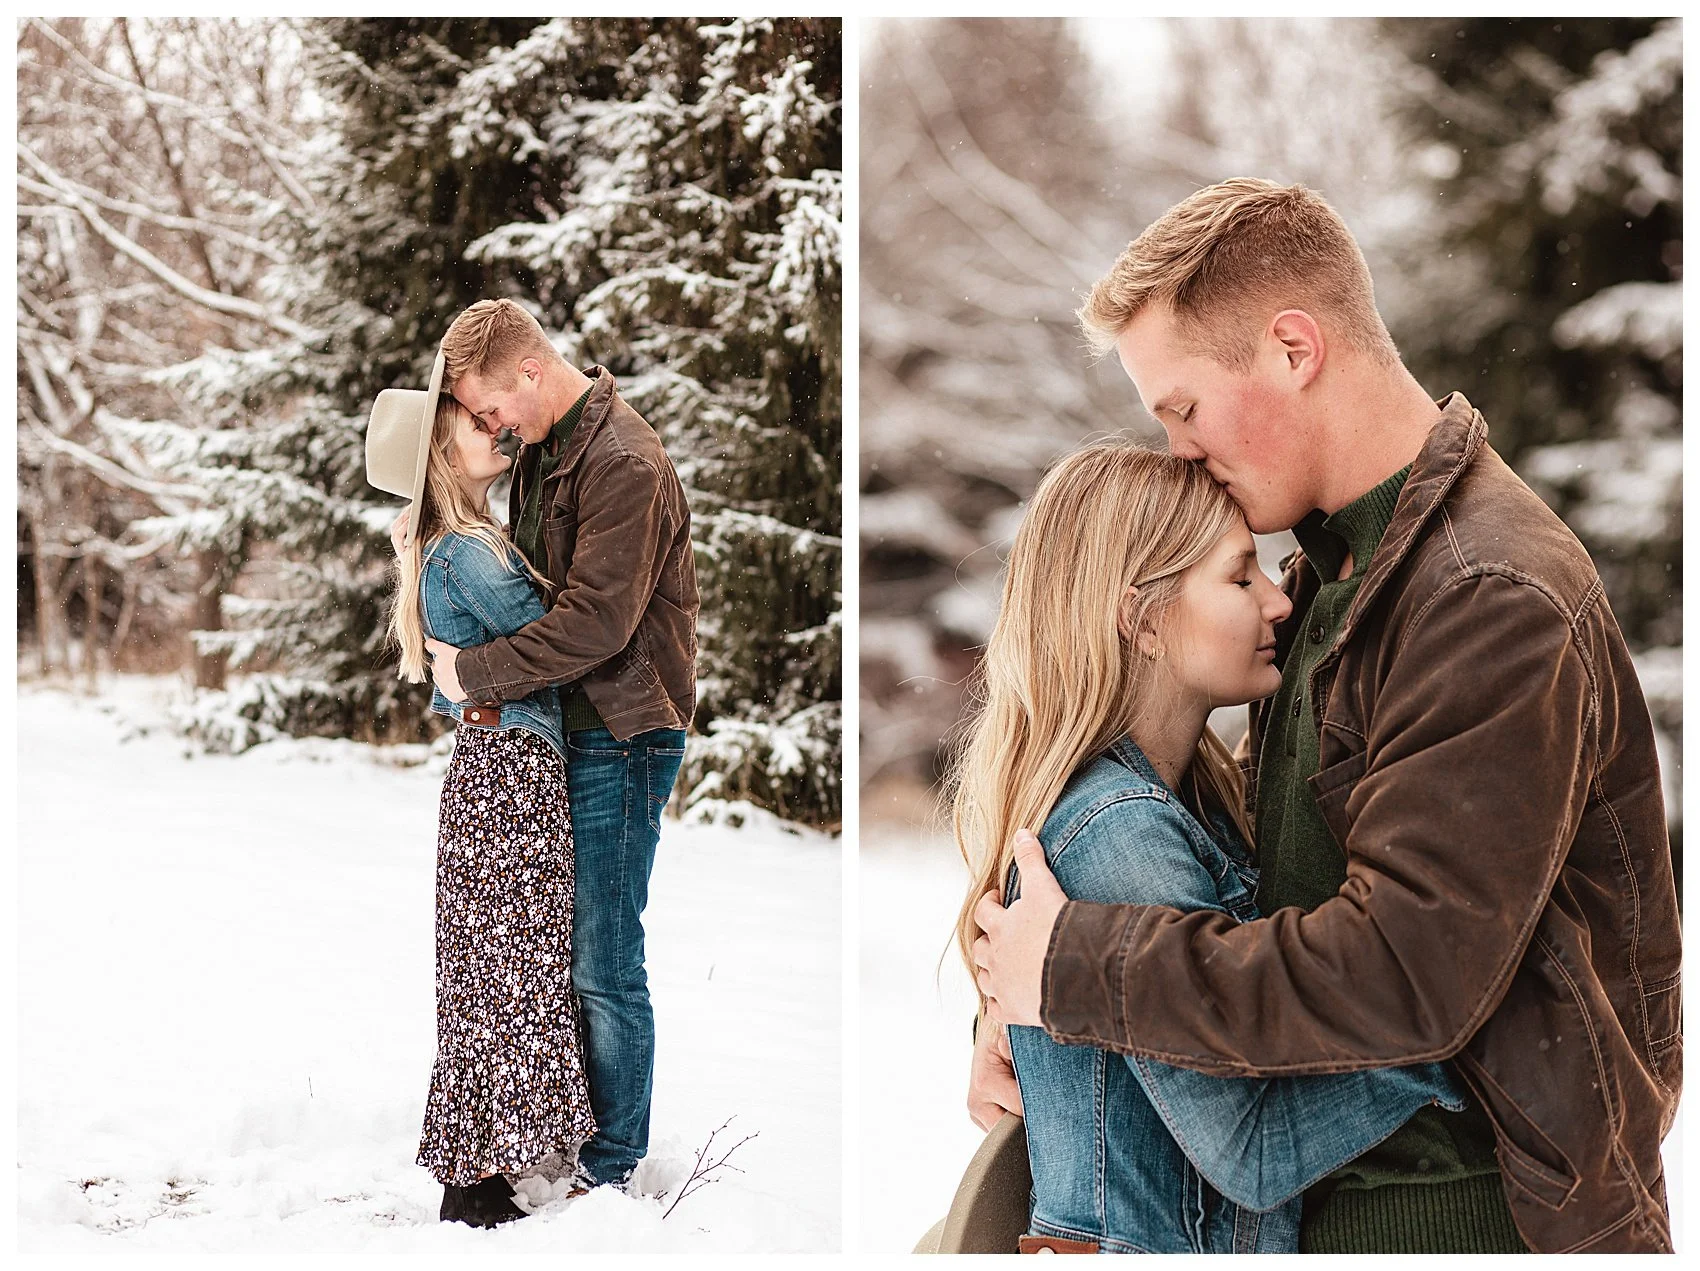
[508, 1086]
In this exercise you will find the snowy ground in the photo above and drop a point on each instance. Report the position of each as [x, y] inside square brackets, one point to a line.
[916, 1044]
[226, 1022]
[915, 1040]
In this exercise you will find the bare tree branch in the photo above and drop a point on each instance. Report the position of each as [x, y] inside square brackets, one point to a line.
[216, 301]
[210, 119]
[165, 220]
[702, 1173]
[171, 498]
[169, 156]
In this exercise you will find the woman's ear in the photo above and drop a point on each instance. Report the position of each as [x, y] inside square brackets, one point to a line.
[1124, 612]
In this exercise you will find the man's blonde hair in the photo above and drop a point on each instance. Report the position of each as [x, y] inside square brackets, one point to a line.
[490, 339]
[1230, 257]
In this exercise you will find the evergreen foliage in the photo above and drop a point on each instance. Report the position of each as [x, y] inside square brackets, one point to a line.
[1566, 181]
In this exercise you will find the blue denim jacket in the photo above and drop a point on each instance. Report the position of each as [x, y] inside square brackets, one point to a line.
[1148, 1158]
[467, 598]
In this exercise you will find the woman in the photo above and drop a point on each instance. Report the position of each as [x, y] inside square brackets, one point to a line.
[1134, 606]
[508, 1085]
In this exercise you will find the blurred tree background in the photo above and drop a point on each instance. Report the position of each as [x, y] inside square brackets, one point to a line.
[234, 234]
[1515, 185]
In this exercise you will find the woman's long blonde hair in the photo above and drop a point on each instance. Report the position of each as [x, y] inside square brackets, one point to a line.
[446, 508]
[1059, 683]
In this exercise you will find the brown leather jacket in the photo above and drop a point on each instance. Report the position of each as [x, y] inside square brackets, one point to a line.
[623, 595]
[1487, 765]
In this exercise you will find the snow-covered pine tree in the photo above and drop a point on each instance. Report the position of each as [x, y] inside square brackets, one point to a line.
[665, 194]
[1566, 154]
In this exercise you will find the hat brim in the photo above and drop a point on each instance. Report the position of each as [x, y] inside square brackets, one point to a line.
[432, 395]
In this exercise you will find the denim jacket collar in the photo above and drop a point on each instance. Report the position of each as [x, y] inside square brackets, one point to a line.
[1126, 752]
[1215, 823]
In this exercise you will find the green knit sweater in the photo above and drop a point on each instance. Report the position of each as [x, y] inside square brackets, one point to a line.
[1433, 1186]
[576, 710]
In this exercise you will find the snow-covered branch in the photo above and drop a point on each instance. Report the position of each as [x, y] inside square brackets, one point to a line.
[217, 302]
[165, 220]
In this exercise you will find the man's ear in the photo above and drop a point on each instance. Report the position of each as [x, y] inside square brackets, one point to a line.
[531, 369]
[1302, 343]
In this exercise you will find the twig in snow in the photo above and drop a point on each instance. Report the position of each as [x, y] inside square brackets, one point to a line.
[702, 1173]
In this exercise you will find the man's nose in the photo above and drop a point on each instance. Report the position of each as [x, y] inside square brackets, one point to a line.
[1180, 447]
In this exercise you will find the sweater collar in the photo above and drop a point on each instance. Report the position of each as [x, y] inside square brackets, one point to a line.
[564, 426]
[1356, 528]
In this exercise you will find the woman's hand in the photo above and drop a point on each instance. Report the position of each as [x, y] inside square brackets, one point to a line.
[1010, 958]
[992, 1089]
[442, 658]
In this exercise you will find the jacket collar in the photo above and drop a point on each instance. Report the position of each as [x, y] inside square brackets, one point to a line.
[1216, 824]
[1454, 441]
[598, 402]
[1126, 752]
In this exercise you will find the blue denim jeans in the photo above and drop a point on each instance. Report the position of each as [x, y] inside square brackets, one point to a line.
[617, 789]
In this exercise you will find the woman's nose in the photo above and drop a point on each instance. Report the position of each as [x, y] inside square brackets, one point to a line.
[1279, 606]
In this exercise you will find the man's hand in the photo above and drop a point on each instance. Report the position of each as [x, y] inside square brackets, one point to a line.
[1010, 957]
[442, 658]
[398, 533]
[992, 1090]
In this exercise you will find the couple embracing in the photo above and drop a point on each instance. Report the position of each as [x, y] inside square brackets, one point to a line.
[1403, 976]
[564, 649]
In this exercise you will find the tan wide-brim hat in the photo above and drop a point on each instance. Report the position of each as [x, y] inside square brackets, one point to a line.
[398, 441]
[989, 1211]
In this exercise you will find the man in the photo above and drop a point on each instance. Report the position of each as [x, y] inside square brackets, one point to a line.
[1460, 825]
[598, 509]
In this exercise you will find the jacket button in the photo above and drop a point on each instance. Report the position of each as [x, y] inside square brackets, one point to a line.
[1316, 633]
[1298, 705]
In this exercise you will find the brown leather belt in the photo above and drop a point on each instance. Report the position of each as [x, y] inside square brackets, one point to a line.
[1056, 1244]
[482, 716]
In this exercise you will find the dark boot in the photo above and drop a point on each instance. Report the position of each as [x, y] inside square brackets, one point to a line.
[490, 1202]
[454, 1203]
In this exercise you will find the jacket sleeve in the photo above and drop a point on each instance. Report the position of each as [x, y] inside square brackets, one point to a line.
[618, 553]
[477, 583]
[1258, 1140]
[435, 602]
[1468, 793]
